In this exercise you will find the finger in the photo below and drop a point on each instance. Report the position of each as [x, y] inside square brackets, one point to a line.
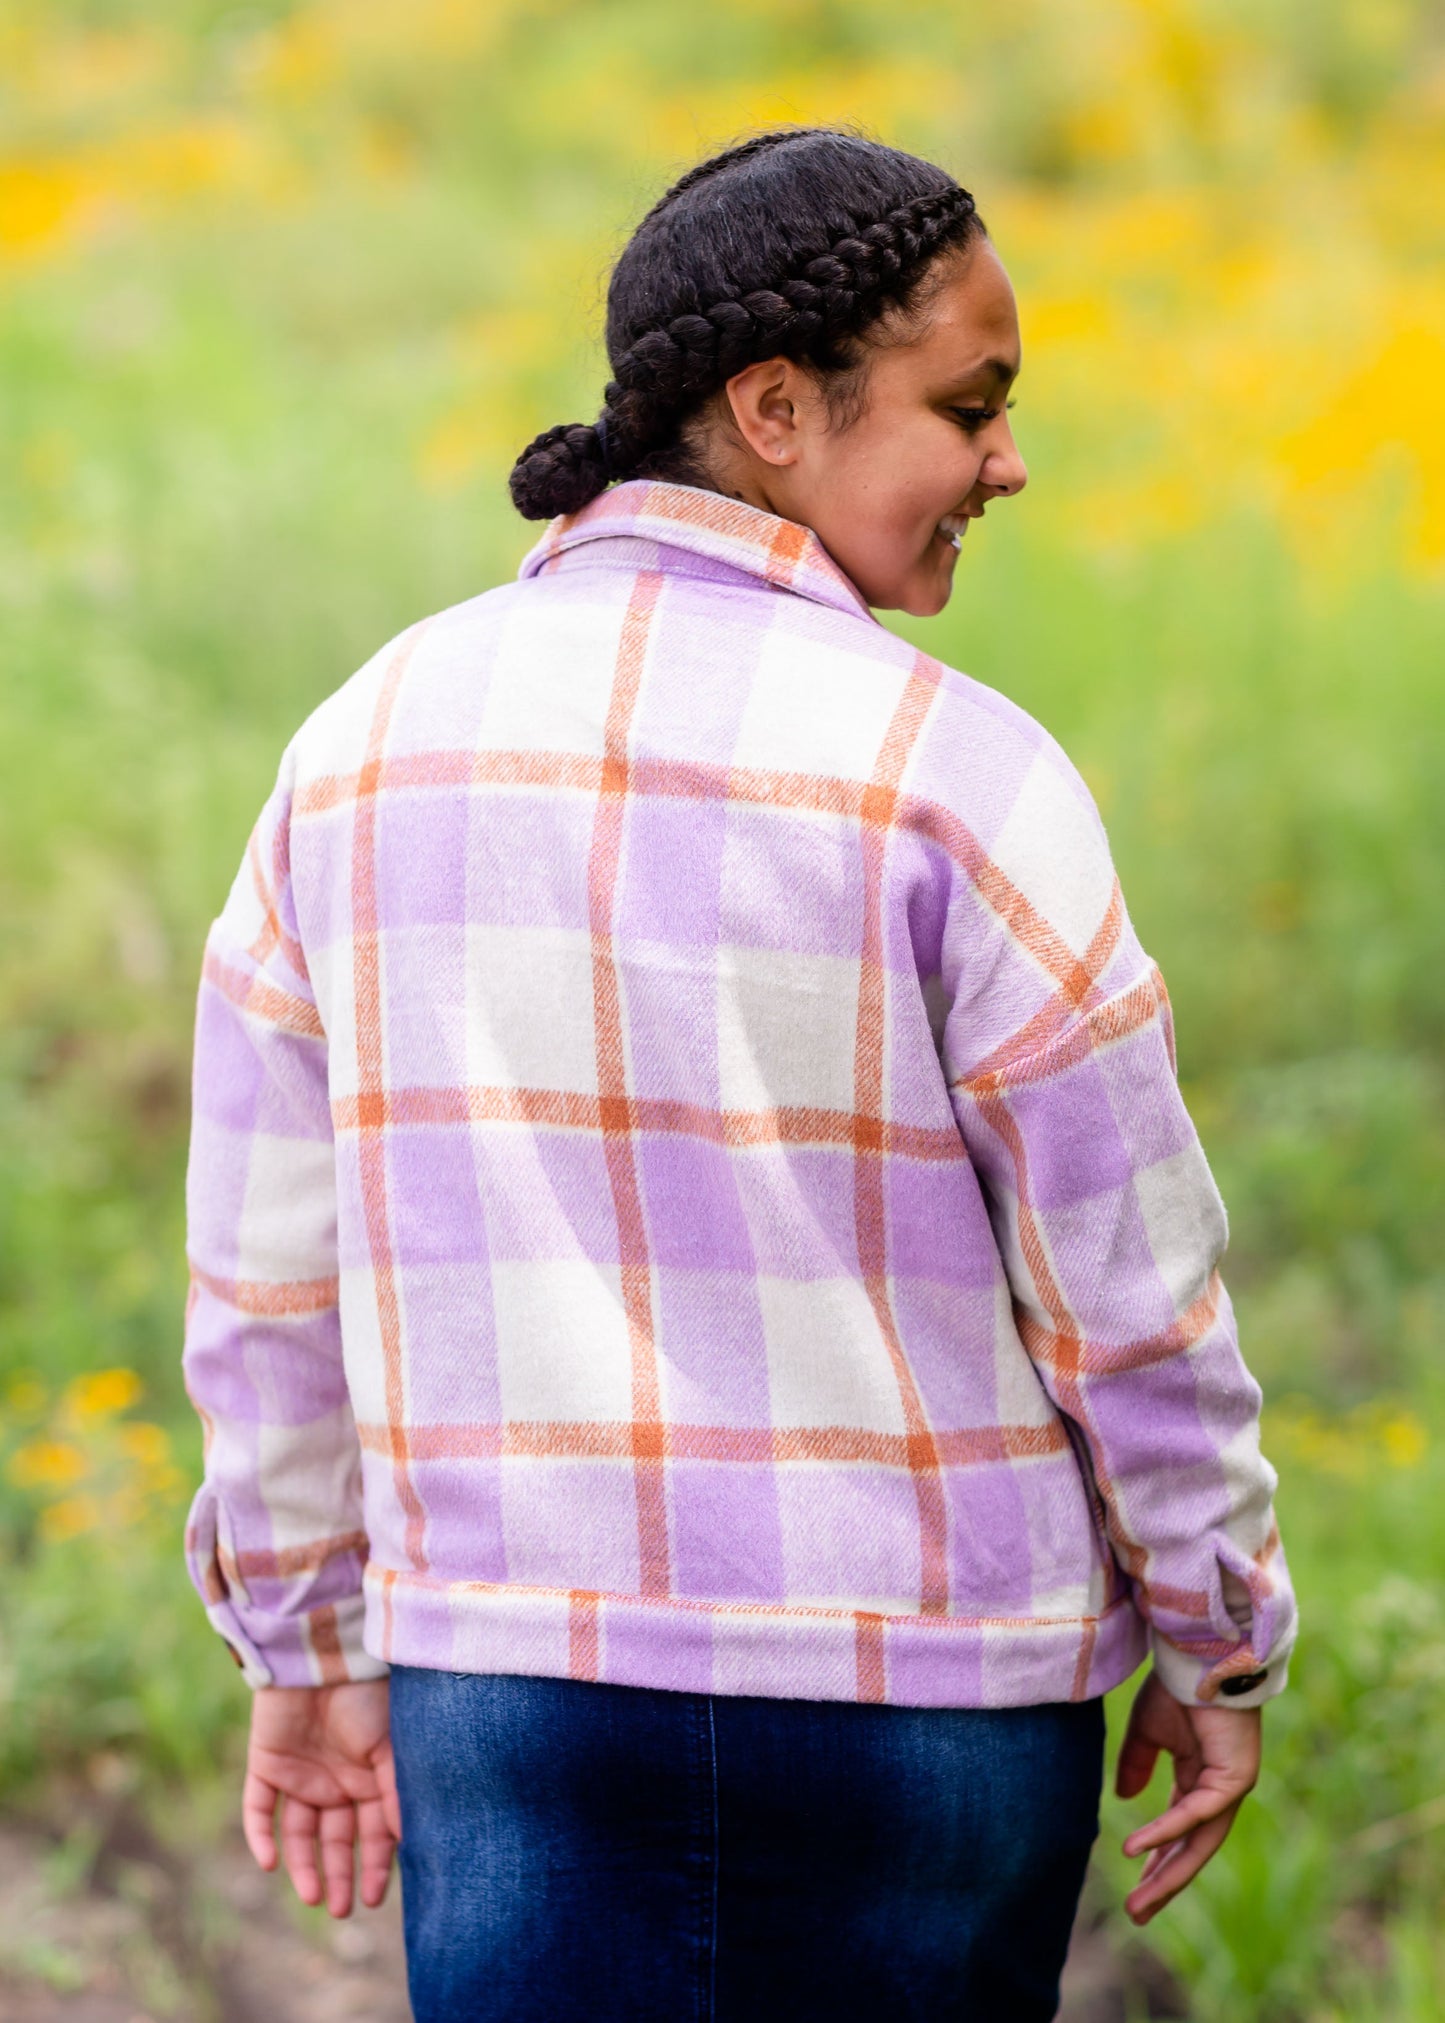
[1149, 1896]
[1189, 1857]
[298, 1848]
[258, 1806]
[385, 1763]
[377, 1846]
[1156, 1858]
[1204, 1803]
[1175, 1794]
[338, 1837]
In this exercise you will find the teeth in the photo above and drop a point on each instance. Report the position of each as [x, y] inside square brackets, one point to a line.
[951, 527]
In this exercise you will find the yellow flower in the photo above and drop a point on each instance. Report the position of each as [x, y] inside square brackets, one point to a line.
[1404, 1439]
[149, 1445]
[102, 1393]
[40, 203]
[47, 1464]
[1352, 1445]
[69, 1518]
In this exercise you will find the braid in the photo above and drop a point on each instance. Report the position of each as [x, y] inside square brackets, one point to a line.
[808, 307]
[827, 297]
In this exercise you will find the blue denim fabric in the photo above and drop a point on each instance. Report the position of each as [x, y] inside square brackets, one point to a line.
[590, 1852]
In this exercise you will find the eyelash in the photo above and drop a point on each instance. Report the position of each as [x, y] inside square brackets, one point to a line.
[975, 417]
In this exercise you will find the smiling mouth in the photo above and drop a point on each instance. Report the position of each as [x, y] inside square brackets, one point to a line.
[952, 528]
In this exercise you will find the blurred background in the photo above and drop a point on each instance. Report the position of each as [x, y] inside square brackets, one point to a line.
[284, 289]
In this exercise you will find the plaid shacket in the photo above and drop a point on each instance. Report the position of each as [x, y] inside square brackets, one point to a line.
[688, 1184]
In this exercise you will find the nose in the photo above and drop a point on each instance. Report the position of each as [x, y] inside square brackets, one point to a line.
[1004, 470]
[1005, 475]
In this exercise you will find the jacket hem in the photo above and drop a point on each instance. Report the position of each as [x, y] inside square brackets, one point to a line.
[749, 1648]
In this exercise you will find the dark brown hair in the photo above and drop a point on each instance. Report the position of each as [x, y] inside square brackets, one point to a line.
[797, 244]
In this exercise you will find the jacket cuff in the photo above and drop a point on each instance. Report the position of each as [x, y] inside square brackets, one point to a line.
[321, 1646]
[1240, 1680]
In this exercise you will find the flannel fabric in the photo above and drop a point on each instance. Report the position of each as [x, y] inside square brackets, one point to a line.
[688, 1183]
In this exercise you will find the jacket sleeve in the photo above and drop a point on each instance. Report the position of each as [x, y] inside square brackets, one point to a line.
[274, 1542]
[1111, 1228]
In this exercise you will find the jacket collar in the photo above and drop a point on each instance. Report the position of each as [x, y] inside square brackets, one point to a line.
[688, 519]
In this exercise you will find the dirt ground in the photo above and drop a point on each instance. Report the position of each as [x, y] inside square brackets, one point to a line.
[114, 1927]
[109, 1925]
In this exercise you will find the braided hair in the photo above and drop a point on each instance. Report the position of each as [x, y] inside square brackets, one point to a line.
[795, 243]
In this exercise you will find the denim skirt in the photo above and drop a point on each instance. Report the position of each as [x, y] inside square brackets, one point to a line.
[581, 1852]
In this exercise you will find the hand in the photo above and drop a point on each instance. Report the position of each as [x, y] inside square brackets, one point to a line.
[325, 1752]
[1216, 1765]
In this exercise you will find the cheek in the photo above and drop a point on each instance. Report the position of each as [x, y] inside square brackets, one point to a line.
[881, 503]
[923, 478]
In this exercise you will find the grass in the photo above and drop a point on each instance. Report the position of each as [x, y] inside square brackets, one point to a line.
[255, 417]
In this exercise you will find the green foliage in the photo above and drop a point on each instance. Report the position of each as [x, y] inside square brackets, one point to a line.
[1334, 1855]
[107, 1650]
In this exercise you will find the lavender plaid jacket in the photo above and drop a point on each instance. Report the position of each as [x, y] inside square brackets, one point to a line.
[688, 1184]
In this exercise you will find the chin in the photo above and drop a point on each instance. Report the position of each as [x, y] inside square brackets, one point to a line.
[924, 603]
[921, 594]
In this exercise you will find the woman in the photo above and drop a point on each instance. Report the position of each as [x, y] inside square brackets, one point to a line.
[705, 1298]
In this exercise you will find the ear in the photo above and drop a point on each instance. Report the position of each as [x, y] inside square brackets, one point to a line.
[767, 401]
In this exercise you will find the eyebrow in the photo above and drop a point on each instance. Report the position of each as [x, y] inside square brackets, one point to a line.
[999, 367]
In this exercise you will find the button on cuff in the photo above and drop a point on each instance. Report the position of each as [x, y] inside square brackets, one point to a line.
[1243, 1682]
